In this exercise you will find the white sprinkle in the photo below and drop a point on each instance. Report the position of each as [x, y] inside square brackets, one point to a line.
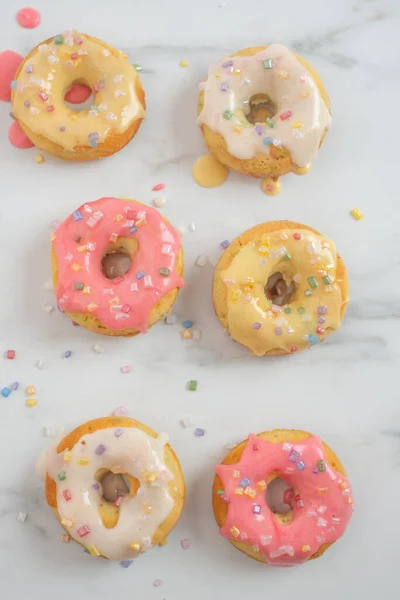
[192, 227]
[52, 431]
[201, 260]
[43, 48]
[106, 52]
[158, 582]
[22, 517]
[48, 307]
[41, 364]
[99, 349]
[148, 282]
[166, 249]
[53, 59]
[159, 201]
[186, 422]
[126, 368]
[118, 78]
[170, 319]
[196, 334]
[119, 93]
[119, 411]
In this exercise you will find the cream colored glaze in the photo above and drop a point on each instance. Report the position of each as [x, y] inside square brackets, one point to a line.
[209, 172]
[252, 318]
[133, 452]
[52, 71]
[287, 84]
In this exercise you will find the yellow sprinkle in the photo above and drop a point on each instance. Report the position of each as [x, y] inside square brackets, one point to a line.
[114, 300]
[266, 239]
[67, 522]
[236, 295]
[87, 289]
[357, 214]
[237, 129]
[52, 236]
[322, 491]
[81, 248]
[113, 237]
[283, 74]
[297, 125]
[75, 267]
[135, 546]
[250, 492]
[31, 402]
[186, 334]
[118, 218]
[183, 63]
[147, 509]
[93, 551]
[91, 307]
[306, 548]
[236, 71]
[65, 538]
[235, 531]
[67, 456]
[163, 542]
[263, 250]
[239, 491]
[84, 461]
[236, 474]
[151, 477]
[140, 222]
[262, 485]
[350, 500]
[343, 485]
[39, 159]
[217, 75]
[30, 390]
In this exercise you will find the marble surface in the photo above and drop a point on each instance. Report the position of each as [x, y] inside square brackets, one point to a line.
[346, 390]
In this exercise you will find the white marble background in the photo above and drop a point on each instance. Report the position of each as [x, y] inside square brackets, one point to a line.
[346, 391]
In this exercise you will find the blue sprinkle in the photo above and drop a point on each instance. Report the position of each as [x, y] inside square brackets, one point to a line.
[245, 482]
[224, 244]
[187, 324]
[257, 509]
[313, 339]
[13, 84]
[199, 432]
[15, 385]
[5, 392]
[140, 274]
[294, 456]
[268, 141]
[300, 465]
[133, 229]
[126, 563]
[228, 63]
[77, 215]
[67, 353]
[93, 143]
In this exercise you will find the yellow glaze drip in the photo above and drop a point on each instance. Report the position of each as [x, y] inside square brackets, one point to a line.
[253, 319]
[38, 99]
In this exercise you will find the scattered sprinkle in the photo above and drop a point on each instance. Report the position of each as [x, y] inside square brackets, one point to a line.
[224, 244]
[15, 385]
[126, 368]
[30, 402]
[183, 63]
[196, 334]
[99, 349]
[21, 516]
[67, 354]
[64, 538]
[357, 214]
[119, 411]
[199, 432]
[5, 392]
[10, 354]
[41, 364]
[31, 390]
[192, 385]
[192, 227]
[187, 324]
[158, 582]
[201, 260]
[48, 307]
[186, 334]
[158, 187]
[39, 159]
[185, 544]
[186, 422]
[126, 563]
[159, 201]
[170, 319]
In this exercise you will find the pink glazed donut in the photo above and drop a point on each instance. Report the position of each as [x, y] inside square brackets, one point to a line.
[317, 504]
[117, 266]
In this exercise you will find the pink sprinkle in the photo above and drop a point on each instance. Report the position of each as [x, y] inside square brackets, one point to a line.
[50, 108]
[158, 582]
[43, 96]
[294, 349]
[74, 56]
[84, 530]
[320, 330]
[185, 544]
[118, 501]
[126, 308]
[158, 187]
[67, 495]
[286, 115]
[225, 498]
[131, 214]
[119, 411]
[29, 18]
[126, 368]
[297, 236]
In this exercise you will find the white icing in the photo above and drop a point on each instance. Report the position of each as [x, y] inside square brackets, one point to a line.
[288, 85]
[135, 453]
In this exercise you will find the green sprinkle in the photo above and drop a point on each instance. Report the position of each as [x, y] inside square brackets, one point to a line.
[228, 114]
[269, 122]
[313, 282]
[59, 39]
[62, 476]
[287, 256]
[288, 310]
[220, 492]
[192, 385]
[308, 293]
[327, 280]
[165, 271]
[78, 285]
[137, 67]
[301, 310]
[267, 63]
[321, 465]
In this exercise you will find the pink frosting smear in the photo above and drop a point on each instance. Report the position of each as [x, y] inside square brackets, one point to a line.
[29, 18]
[9, 63]
[322, 505]
[18, 138]
[80, 243]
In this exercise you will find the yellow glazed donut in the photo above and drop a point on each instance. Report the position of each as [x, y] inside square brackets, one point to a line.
[115, 486]
[117, 266]
[46, 75]
[264, 112]
[317, 502]
[280, 287]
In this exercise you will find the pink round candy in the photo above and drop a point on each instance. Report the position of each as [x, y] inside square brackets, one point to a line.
[29, 18]
[9, 63]
[18, 138]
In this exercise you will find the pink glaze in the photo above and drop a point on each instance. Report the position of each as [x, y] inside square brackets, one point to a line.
[125, 302]
[322, 506]
[28, 18]
[9, 63]
[78, 93]
[18, 138]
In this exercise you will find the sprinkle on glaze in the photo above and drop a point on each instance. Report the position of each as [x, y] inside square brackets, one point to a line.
[79, 498]
[38, 99]
[125, 302]
[322, 506]
[301, 117]
[308, 260]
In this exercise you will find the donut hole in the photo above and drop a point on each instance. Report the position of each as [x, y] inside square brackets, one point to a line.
[117, 258]
[113, 486]
[79, 96]
[278, 496]
[260, 107]
[279, 289]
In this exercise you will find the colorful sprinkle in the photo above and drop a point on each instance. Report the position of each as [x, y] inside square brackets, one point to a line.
[224, 87]
[286, 115]
[84, 530]
[228, 63]
[269, 122]
[165, 271]
[199, 432]
[192, 386]
[357, 214]
[67, 495]
[5, 392]
[227, 114]
[118, 432]
[224, 244]
[313, 339]
[126, 368]
[126, 563]
[268, 63]
[185, 544]
[313, 282]
[268, 141]
[158, 187]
